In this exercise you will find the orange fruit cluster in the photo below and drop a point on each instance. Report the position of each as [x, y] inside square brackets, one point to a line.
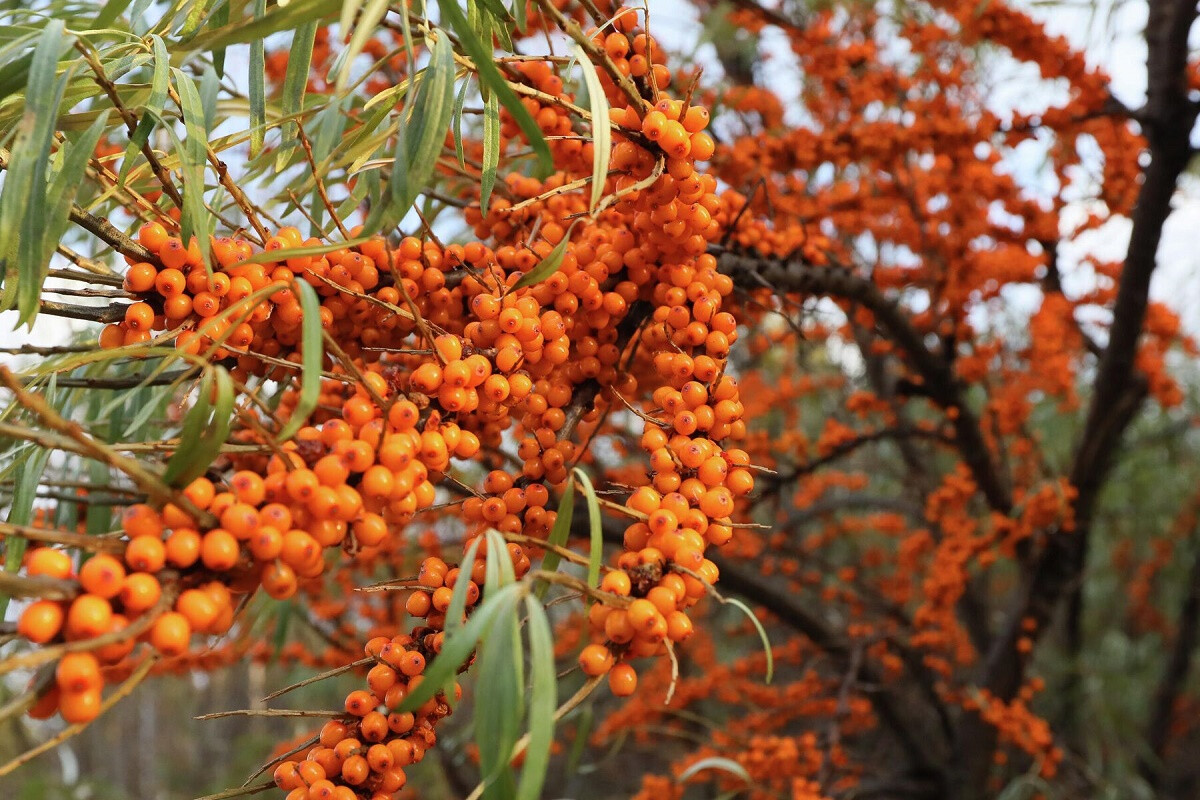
[441, 356]
[366, 752]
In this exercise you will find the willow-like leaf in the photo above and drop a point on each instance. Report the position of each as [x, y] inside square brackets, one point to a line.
[548, 265]
[601, 131]
[490, 77]
[558, 535]
[595, 528]
[311, 355]
[543, 699]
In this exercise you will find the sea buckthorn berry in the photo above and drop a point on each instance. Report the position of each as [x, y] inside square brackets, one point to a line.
[622, 680]
[78, 672]
[50, 563]
[78, 708]
[102, 575]
[360, 703]
[170, 634]
[41, 621]
[595, 659]
[88, 617]
[139, 592]
[617, 582]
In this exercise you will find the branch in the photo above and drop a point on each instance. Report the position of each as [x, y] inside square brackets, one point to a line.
[898, 713]
[1118, 390]
[752, 271]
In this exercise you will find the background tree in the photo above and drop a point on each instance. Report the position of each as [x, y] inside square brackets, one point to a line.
[465, 358]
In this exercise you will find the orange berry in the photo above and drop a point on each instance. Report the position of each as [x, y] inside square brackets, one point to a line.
[41, 621]
[146, 554]
[102, 575]
[622, 680]
[140, 592]
[595, 659]
[170, 634]
[78, 672]
[88, 617]
[48, 562]
[79, 708]
[219, 550]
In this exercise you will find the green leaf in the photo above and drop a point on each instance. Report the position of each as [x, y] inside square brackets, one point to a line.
[458, 600]
[193, 156]
[295, 83]
[420, 138]
[23, 202]
[258, 89]
[364, 28]
[548, 265]
[456, 122]
[595, 528]
[278, 18]
[64, 187]
[457, 647]
[205, 429]
[519, 14]
[218, 20]
[499, 701]
[283, 620]
[490, 78]
[543, 701]
[722, 764]
[491, 148]
[194, 18]
[109, 14]
[762, 634]
[601, 130]
[311, 355]
[499, 563]
[582, 729]
[558, 535]
[154, 105]
[20, 510]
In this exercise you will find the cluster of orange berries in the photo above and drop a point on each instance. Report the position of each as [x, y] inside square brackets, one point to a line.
[443, 357]
[366, 751]
[117, 592]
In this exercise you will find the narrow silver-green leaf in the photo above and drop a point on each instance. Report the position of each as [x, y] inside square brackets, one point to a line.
[258, 91]
[595, 527]
[193, 157]
[204, 432]
[491, 148]
[558, 535]
[295, 83]
[457, 647]
[543, 700]
[499, 701]
[458, 600]
[420, 137]
[548, 265]
[311, 356]
[601, 131]
[23, 203]
[490, 77]
[278, 18]
[499, 563]
[762, 634]
[155, 105]
[456, 122]
[364, 28]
